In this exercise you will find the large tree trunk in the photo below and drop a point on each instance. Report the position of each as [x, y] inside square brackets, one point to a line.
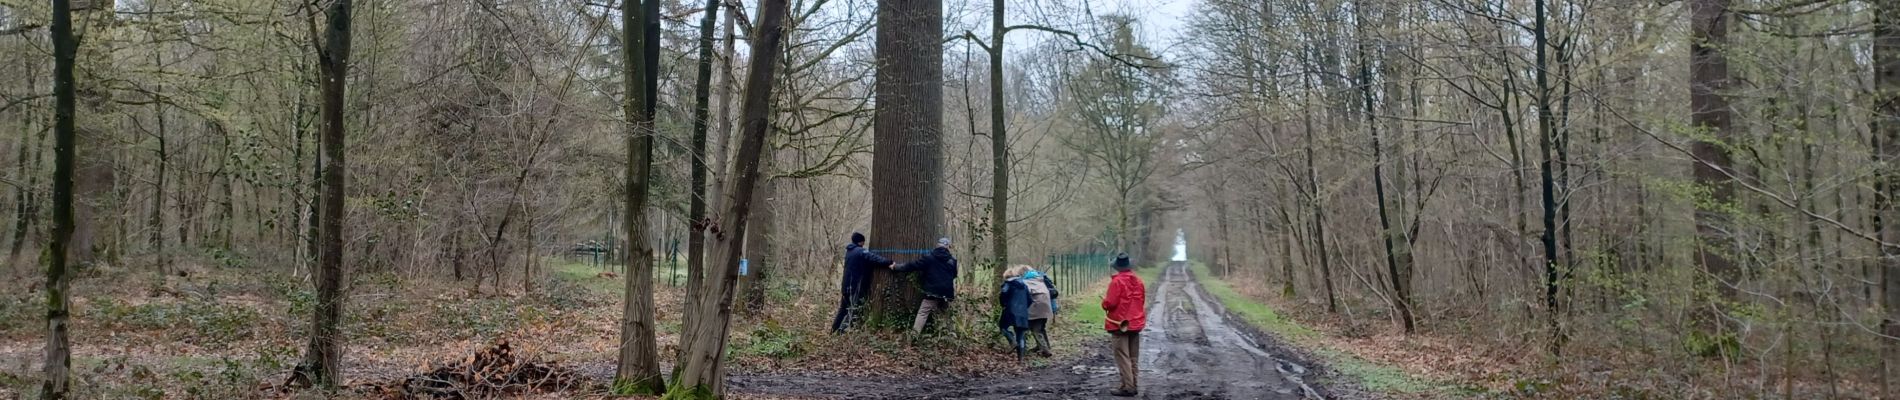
[1887, 126]
[58, 363]
[1710, 116]
[94, 179]
[696, 208]
[1545, 133]
[638, 367]
[702, 369]
[322, 359]
[907, 176]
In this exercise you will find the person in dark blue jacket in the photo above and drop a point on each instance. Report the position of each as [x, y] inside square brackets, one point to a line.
[858, 262]
[937, 274]
[1014, 304]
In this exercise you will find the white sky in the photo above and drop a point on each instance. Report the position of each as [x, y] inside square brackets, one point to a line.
[1162, 20]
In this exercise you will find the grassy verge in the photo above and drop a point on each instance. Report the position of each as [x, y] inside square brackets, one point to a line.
[584, 272]
[1372, 376]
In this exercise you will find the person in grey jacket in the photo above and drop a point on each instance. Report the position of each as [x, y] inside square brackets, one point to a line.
[1042, 307]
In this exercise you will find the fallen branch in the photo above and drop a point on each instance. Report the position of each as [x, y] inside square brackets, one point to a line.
[495, 371]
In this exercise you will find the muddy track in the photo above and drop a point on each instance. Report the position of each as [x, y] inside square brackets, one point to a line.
[1190, 350]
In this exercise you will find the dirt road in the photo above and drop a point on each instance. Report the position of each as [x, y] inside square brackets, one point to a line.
[1190, 350]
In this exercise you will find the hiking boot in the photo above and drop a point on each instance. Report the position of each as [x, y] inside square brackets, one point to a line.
[1122, 393]
[1045, 353]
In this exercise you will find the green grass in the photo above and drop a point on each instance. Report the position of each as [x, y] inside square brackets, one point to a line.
[1151, 275]
[587, 274]
[1084, 309]
[1373, 376]
[1082, 306]
[1252, 311]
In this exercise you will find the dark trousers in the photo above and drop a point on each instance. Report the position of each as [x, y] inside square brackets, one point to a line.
[1040, 327]
[1015, 335]
[848, 306]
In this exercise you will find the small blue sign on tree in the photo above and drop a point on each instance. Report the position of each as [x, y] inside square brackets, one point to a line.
[742, 267]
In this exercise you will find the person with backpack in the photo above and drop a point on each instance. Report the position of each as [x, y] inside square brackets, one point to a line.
[1126, 305]
[937, 275]
[858, 262]
[1042, 307]
[1013, 300]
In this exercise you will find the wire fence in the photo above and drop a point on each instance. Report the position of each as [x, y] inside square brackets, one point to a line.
[1075, 269]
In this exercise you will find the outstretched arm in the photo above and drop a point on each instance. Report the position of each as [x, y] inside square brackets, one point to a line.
[876, 259]
[909, 266]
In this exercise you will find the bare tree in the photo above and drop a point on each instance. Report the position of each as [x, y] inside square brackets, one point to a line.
[638, 369]
[323, 358]
[58, 364]
[1117, 106]
[702, 372]
[1711, 116]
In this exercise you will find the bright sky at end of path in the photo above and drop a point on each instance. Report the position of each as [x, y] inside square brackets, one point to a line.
[1180, 245]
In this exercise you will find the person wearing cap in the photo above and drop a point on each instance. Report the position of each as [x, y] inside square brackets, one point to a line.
[937, 275]
[858, 262]
[1126, 305]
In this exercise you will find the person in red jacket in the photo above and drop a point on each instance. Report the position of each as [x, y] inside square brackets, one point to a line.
[1126, 304]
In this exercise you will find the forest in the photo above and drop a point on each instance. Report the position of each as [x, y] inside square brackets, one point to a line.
[1339, 199]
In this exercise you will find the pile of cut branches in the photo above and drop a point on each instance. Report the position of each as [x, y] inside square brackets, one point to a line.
[494, 371]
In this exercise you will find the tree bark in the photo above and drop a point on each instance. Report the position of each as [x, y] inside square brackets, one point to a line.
[94, 181]
[58, 364]
[638, 366]
[999, 149]
[721, 141]
[760, 241]
[324, 355]
[702, 370]
[907, 176]
[696, 208]
[1545, 133]
[1710, 116]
